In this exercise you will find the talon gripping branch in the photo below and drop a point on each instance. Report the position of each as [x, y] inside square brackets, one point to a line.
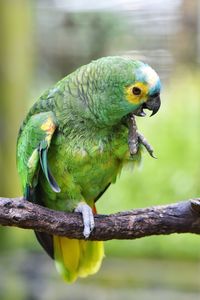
[73, 144]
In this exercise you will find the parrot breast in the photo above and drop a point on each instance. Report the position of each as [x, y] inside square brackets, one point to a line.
[87, 170]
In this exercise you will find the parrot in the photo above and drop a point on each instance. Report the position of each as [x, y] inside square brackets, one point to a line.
[73, 144]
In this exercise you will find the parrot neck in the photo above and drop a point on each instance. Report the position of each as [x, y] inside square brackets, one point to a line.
[77, 122]
[81, 127]
[110, 113]
[94, 112]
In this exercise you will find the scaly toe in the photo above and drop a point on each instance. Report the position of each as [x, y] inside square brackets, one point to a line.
[146, 144]
[88, 218]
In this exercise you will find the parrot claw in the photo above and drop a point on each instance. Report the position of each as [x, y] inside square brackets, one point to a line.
[146, 144]
[135, 138]
[88, 218]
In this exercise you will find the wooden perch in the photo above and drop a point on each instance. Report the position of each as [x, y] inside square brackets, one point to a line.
[180, 217]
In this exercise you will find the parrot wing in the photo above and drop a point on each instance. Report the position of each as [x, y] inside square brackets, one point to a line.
[32, 147]
[102, 192]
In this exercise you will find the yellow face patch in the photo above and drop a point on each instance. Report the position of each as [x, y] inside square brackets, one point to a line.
[136, 99]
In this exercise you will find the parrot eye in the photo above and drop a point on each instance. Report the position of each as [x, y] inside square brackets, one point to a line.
[136, 91]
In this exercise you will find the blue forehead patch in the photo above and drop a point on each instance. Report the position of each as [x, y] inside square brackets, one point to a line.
[147, 75]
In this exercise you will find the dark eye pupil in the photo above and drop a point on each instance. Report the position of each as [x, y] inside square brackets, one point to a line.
[136, 91]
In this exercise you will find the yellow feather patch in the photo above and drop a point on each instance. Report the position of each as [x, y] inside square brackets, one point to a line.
[48, 126]
[136, 99]
[92, 253]
[77, 258]
[67, 254]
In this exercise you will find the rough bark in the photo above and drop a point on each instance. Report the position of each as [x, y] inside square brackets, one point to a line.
[180, 217]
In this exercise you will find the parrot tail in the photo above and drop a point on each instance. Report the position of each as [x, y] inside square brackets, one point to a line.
[77, 258]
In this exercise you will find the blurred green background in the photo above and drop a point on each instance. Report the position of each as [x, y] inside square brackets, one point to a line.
[42, 41]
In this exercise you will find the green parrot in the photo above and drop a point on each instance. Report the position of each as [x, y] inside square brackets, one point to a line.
[74, 142]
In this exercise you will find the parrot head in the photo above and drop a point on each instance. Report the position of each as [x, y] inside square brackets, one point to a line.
[122, 86]
[145, 91]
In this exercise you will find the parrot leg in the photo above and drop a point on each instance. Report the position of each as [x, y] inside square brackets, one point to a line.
[88, 218]
[132, 135]
[134, 138]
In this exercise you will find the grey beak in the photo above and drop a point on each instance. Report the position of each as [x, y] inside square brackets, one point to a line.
[153, 103]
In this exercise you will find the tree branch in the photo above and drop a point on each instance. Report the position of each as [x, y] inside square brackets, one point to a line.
[180, 217]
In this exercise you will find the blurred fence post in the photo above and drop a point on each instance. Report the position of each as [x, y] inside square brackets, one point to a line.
[15, 74]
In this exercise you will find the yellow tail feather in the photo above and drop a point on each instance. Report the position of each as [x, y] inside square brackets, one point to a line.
[77, 258]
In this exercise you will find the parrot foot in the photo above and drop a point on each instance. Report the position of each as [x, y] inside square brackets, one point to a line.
[135, 138]
[88, 218]
[145, 143]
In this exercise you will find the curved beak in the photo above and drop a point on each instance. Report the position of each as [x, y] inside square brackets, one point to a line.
[153, 103]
